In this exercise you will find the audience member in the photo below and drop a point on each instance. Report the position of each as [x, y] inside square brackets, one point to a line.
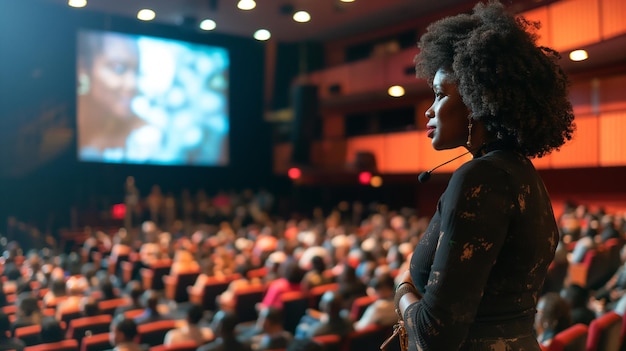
[553, 316]
[28, 311]
[122, 335]
[578, 299]
[273, 335]
[151, 311]
[51, 331]
[382, 311]
[134, 291]
[191, 330]
[224, 324]
[7, 342]
[328, 321]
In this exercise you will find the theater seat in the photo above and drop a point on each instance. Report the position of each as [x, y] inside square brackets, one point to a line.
[176, 285]
[152, 277]
[604, 333]
[153, 333]
[30, 335]
[80, 327]
[246, 299]
[573, 338]
[368, 339]
[65, 345]
[295, 304]
[180, 346]
[359, 305]
[98, 342]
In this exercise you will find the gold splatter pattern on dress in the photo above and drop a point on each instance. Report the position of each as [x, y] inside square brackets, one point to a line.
[468, 251]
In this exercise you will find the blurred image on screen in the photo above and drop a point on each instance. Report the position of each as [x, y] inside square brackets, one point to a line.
[147, 100]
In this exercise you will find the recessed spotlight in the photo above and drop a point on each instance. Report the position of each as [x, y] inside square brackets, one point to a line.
[301, 16]
[395, 91]
[262, 34]
[246, 5]
[578, 55]
[208, 24]
[146, 15]
[77, 3]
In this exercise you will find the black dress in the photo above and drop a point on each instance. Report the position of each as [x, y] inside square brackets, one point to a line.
[481, 263]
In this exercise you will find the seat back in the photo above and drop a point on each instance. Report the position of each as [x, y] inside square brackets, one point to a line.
[359, 305]
[179, 346]
[211, 291]
[30, 335]
[68, 315]
[368, 339]
[573, 338]
[152, 277]
[65, 345]
[317, 292]
[153, 333]
[329, 342]
[245, 301]
[183, 280]
[98, 342]
[295, 304]
[80, 327]
[604, 333]
[109, 306]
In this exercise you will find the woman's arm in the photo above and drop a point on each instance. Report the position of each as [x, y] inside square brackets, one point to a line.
[475, 214]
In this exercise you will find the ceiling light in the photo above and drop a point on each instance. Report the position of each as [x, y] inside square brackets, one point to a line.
[578, 55]
[246, 5]
[146, 15]
[262, 34]
[208, 24]
[395, 91]
[347, 0]
[301, 16]
[77, 3]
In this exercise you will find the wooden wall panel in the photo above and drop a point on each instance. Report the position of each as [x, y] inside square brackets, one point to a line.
[338, 75]
[330, 154]
[367, 75]
[333, 126]
[401, 153]
[374, 144]
[613, 93]
[582, 150]
[540, 15]
[613, 18]
[581, 97]
[397, 65]
[574, 23]
[613, 139]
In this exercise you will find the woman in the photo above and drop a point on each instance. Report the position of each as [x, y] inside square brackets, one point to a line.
[476, 273]
[108, 74]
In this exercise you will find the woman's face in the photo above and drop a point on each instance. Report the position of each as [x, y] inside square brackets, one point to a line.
[114, 75]
[448, 115]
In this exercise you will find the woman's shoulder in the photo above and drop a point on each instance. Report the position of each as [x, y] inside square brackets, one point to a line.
[482, 168]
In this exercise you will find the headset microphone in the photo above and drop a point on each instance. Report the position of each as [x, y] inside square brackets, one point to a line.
[425, 176]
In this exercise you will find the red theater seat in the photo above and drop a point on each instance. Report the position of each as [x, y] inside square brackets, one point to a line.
[604, 333]
[65, 345]
[573, 338]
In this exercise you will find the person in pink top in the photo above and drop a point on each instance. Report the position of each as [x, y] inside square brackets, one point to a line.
[290, 281]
